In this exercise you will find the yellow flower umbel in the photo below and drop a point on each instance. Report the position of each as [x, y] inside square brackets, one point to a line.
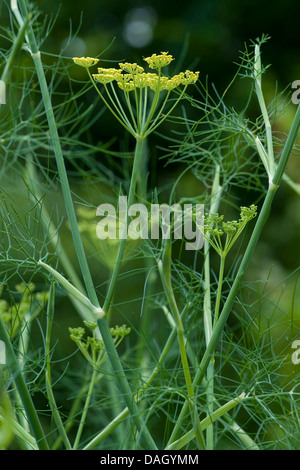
[85, 61]
[146, 94]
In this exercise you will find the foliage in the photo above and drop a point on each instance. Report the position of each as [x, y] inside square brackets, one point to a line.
[201, 358]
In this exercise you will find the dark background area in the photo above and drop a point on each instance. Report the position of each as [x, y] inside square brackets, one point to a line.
[214, 32]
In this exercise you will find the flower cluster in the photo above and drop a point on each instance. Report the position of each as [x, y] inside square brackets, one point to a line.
[92, 347]
[215, 227]
[145, 111]
[14, 313]
[131, 75]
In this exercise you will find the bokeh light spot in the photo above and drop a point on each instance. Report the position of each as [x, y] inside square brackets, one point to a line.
[138, 26]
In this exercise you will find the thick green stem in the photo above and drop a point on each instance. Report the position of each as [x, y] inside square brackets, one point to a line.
[138, 158]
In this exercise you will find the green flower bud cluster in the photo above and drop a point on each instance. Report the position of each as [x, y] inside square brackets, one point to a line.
[13, 313]
[92, 348]
[215, 228]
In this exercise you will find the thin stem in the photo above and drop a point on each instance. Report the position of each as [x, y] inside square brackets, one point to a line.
[207, 309]
[154, 126]
[75, 406]
[16, 47]
[32, 181]
[153, 105]
[85, 408]
[123, 120]
[22, 433]
[50, 394]
[129, 106]
[219, 290]
[145, 106]
[184, 440]
[262, 104]
[164, 268]
[25, 396]
[211, 366]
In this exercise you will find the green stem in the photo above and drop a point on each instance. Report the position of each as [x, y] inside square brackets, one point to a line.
[262, 104]
[219, 290]
[154, 126]
[22, 433]
[25, 396]
[70, 421]
[184, 440]
[211, 366]
[85, 408]
[16, 47]
[153, 105]
[164, 268]
[122, 118]
[208, 322]
[32, 181]
[138, 157]
[50, 394]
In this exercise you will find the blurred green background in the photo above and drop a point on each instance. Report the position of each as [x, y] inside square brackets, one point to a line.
[207, 36]
[202, 35]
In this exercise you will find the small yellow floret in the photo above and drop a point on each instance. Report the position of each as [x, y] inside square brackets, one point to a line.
[85, 61]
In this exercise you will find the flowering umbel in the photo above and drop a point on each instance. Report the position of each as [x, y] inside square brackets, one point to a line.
[133, 80]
